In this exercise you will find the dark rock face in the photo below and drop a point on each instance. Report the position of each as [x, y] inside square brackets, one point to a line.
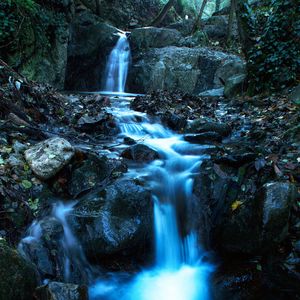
[124, 13]
[140, 153]
[17, 277]
[153, 37]
[90, 43]
[116, 220]
[168, 69]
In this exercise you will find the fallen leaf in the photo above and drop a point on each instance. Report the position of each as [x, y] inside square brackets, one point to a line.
[236, 204]
[259, 163]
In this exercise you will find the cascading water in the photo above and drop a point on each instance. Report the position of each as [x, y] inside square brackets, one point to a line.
[117, 66]
[179, 272]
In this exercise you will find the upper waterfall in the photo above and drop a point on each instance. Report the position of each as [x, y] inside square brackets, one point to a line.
[117, 66]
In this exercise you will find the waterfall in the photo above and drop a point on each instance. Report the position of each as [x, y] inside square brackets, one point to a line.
[179, 272]
[117, 66]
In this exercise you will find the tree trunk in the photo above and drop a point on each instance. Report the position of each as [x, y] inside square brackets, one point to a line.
[244, 26]
[230, 21]
[98, 7]
[198, 19]
[163, 13]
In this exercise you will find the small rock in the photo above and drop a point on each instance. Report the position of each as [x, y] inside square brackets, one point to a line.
[173, 121]
[198, 126]
[203, 138]
[61, 291]
[129, 141]
[140, 153]
[47, 158]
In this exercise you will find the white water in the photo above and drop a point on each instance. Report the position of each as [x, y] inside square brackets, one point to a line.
[179, 272]
[117, 66]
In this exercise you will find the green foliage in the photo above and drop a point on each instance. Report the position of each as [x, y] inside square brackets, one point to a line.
[13, 14]
[274, 59]
[26, 27]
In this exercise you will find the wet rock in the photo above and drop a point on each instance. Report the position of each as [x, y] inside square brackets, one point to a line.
[239, 281]
[174, 121]
[140, 153]
[152, 37]
[102, 122]
[202, 138]
[47, 158]
[116, 220]
[236, 160]
[129, 141]
[36, 247]
[277, 198]
[45, 247]
[90, 173]
[61, 291]
[17, 277]
[234, 85]
[200, 125]
[167, 69]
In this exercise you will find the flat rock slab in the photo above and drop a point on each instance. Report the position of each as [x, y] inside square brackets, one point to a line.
[47, 158]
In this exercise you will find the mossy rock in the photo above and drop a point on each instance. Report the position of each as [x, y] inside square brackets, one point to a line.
[17, 277]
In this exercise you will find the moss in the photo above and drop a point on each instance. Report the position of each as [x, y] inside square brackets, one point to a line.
[17, 277]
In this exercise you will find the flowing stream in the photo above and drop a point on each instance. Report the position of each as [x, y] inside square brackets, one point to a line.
[179, 271]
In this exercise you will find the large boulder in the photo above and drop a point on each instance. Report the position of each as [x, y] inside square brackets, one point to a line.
[17, 277]
[115, 220]
[185, 69]
[47, 158]
[90, 44]
[244, 218]
[153, 37]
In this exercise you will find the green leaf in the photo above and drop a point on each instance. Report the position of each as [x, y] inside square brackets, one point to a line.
[26, 184]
